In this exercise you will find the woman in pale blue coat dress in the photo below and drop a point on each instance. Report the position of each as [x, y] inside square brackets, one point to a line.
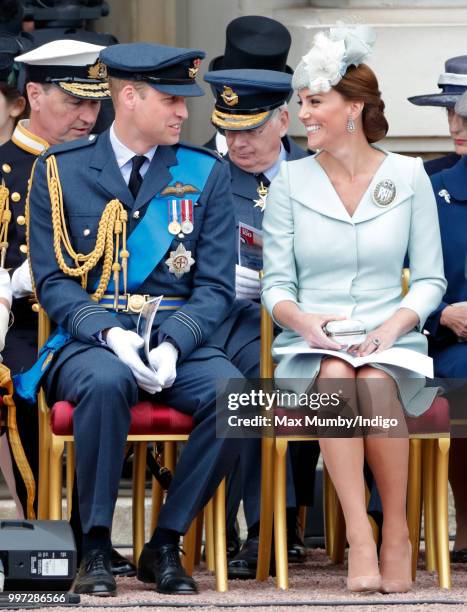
[334, 248]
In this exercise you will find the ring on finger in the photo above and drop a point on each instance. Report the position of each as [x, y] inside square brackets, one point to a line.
[376, 341]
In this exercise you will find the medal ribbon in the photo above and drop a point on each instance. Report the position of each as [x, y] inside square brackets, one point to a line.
[187, 216]
[193, 168]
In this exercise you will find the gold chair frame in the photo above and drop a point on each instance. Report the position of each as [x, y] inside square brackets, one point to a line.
[428, 483]
[50, 485]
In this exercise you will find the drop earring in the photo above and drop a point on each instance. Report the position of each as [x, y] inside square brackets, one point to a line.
[350, 125]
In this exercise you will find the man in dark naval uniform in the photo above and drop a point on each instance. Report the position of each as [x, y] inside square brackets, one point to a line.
[251, 110]
[173, 204]
[64, 106]
[453, 83]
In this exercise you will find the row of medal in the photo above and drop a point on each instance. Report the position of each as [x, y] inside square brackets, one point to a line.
[180, 217]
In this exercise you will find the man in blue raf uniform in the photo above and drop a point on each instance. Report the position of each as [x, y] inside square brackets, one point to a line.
[175, 203]
[251, 110]
[448, 323]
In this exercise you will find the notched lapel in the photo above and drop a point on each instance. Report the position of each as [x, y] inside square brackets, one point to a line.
[157, 176]
[389, 169]
[243, 184]
[310, 186]
[109, 175]
[318, 193]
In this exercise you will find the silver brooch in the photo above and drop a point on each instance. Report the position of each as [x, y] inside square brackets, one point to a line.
[180, 261]
[446, 195]
[384, 193]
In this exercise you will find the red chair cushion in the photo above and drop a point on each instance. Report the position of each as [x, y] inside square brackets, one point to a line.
[434, 420]
[146, 418]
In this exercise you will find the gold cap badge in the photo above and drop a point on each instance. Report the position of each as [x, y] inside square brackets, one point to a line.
[193, 71]
[229, 96]
[98, 71]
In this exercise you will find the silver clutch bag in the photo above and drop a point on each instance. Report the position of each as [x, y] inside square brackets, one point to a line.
[347, 332]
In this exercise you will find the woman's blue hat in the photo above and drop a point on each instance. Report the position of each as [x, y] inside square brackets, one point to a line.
[453, 83]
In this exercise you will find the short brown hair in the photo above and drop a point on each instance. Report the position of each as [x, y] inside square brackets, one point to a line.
[360, 84]
[116, 85]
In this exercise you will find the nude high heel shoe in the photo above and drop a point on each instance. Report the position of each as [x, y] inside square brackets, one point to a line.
[361, 584]
[401, 566]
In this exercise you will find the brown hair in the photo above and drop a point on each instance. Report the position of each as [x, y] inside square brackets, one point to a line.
[11, 95]
[116, 85]
[360, 83]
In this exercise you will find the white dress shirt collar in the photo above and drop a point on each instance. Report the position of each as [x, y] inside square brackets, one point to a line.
[124, 155]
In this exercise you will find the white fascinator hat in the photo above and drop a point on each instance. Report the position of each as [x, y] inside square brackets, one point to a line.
[330, 56]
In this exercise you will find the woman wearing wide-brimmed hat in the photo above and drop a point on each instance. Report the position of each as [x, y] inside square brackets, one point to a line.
[447, 325]
[453, 83]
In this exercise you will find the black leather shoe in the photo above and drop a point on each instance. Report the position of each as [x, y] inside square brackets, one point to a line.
[162, 566]
[120, 565]
[95, 576]
[233, 545]
[459, 556]
[243, 566]
[296, 549]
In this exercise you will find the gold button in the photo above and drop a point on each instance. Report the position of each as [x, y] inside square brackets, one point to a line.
[6, 168]
[35, 307]
[20, 220]
[23, 248]
[15, 196]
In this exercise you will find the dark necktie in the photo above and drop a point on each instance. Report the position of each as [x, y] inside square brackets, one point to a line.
[135, 177]
[261, 178]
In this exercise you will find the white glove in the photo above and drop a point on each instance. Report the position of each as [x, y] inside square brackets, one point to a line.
[125, 345]
[247, 283]
[163, 359]
[4, 320]
[21, 283]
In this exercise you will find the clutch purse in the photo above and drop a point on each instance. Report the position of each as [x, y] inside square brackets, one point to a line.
[347, 332]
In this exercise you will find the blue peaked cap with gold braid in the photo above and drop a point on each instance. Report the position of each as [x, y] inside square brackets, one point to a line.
[171, 70]
[246, 97]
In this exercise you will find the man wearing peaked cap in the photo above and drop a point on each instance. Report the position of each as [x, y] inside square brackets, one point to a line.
[251, 110]
[169, 206]
[58, 113]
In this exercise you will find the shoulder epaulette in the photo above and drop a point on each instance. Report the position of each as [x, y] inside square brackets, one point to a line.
[73, 145]
[205, 150]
